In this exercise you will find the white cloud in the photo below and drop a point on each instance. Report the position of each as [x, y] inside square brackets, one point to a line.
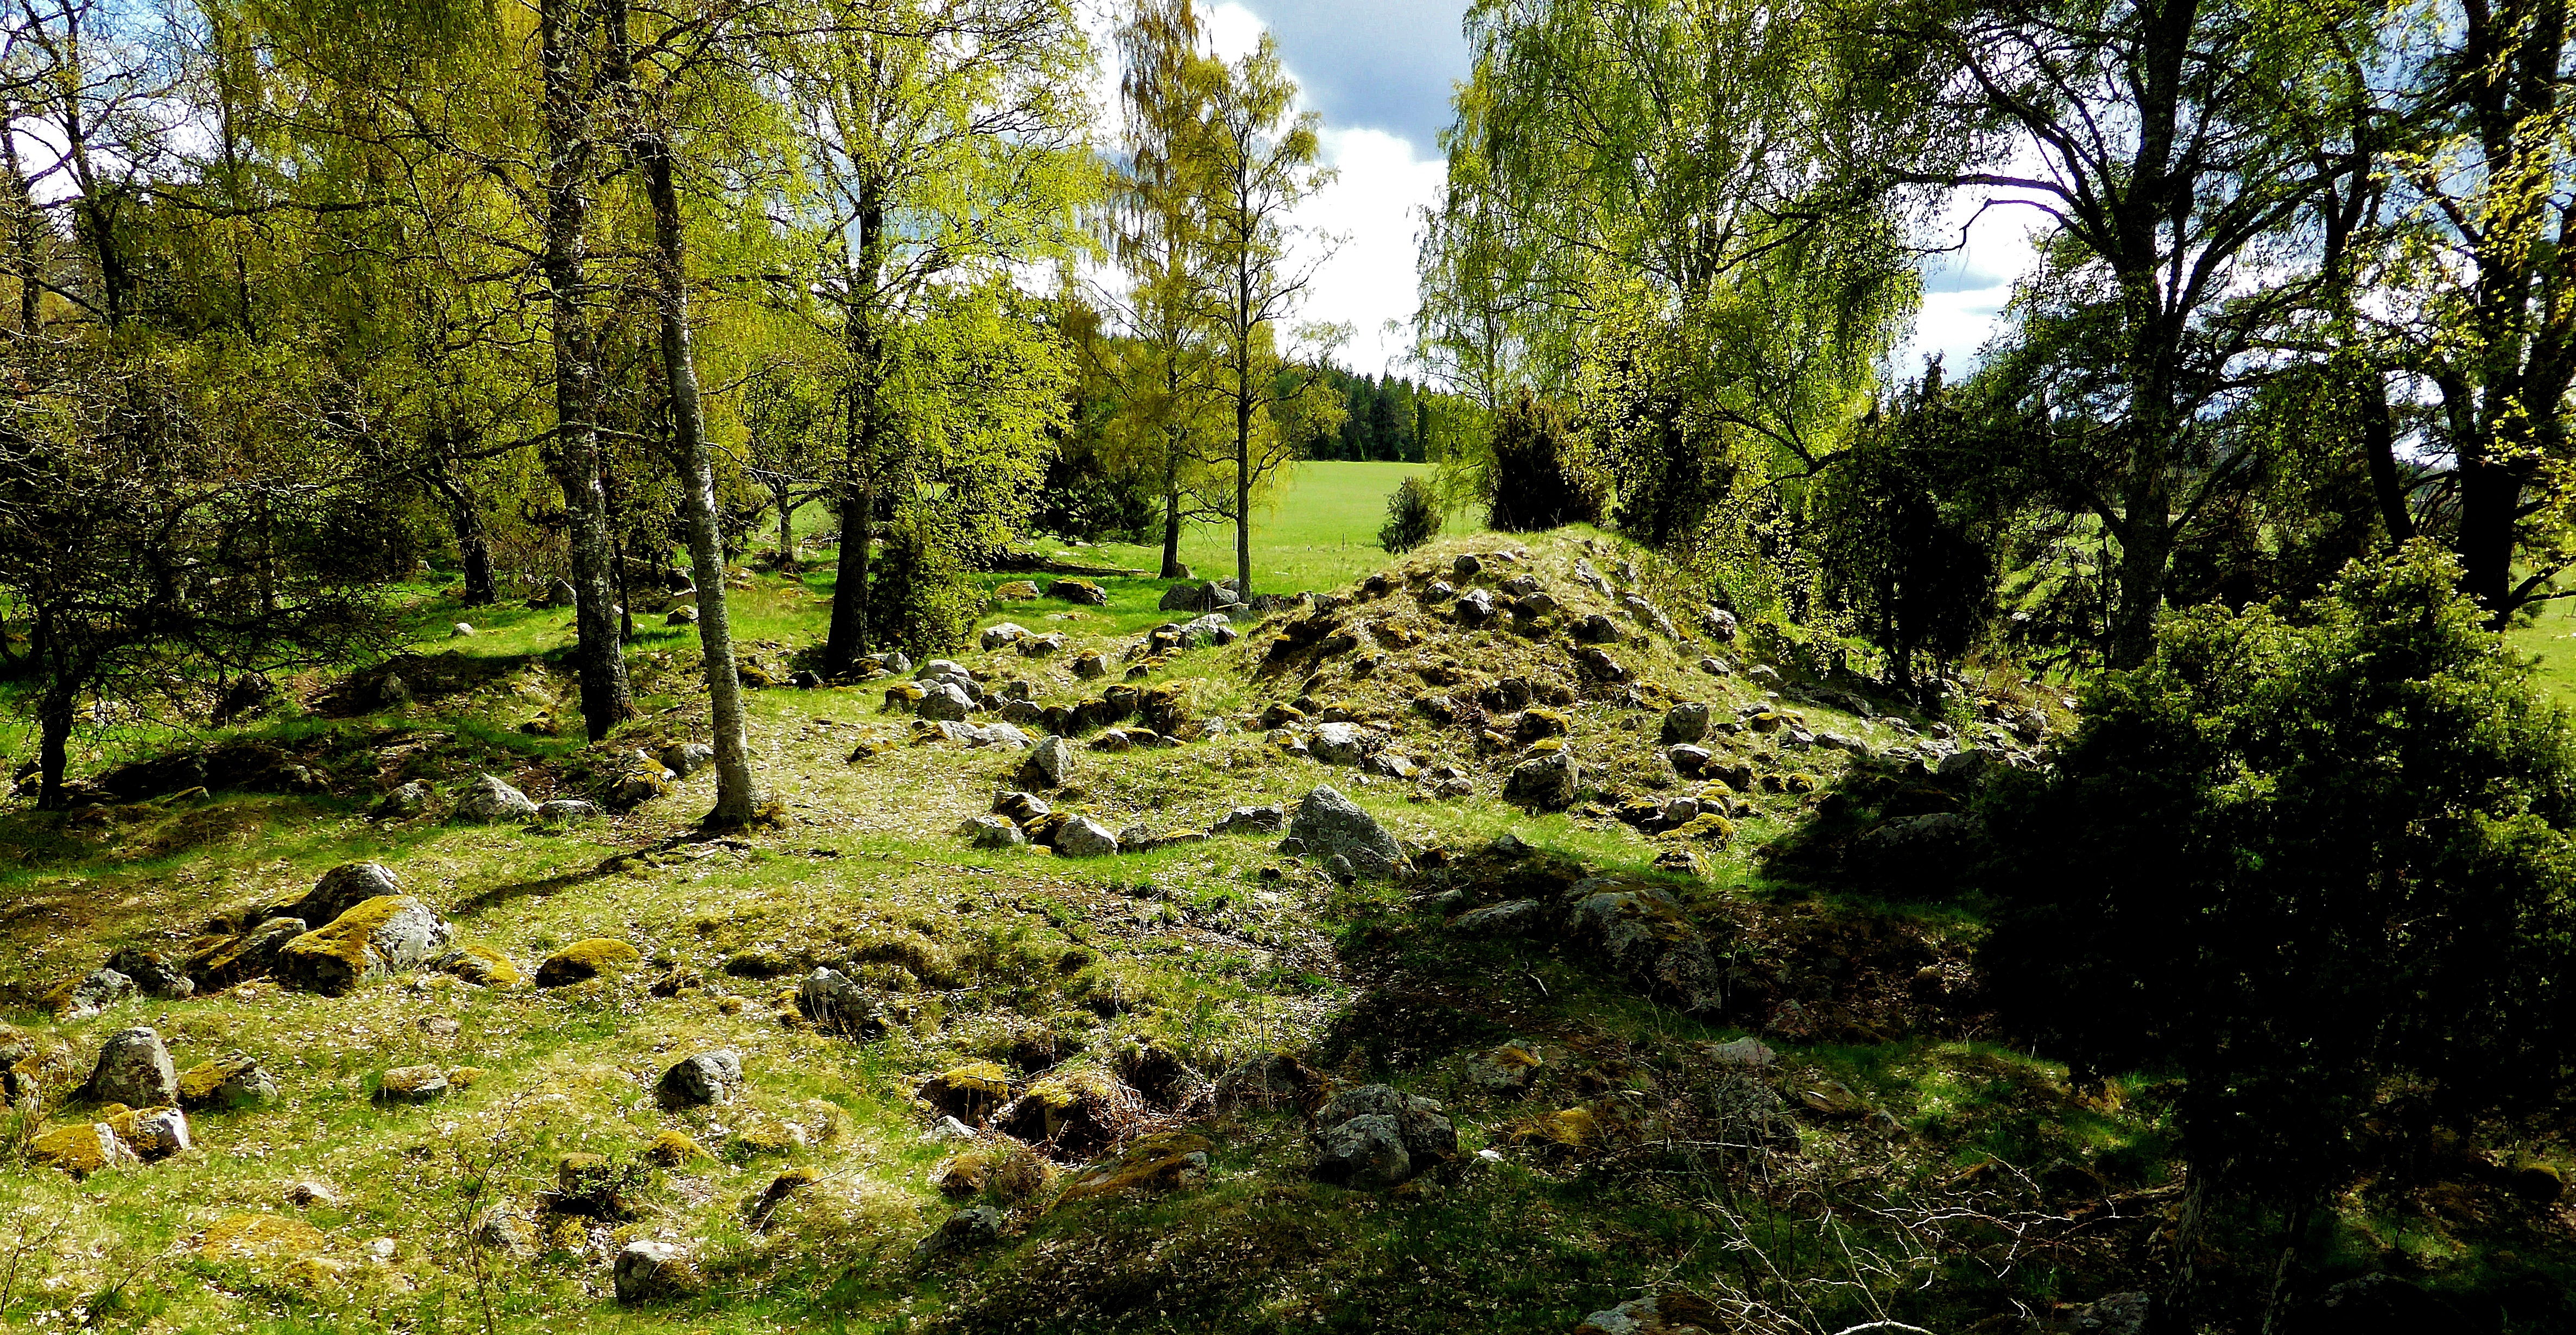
[1965, 290]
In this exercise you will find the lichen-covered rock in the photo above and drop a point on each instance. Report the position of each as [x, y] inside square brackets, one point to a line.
[258, 1237]
[1002, 635]
[1049, 764]
[1686, 722]
[480, 965]
[1159, 1162]
[229, 1081]
[1365, 1153]
[583, 960]
[1539, 721]
[220, 962]
[1517, 917]
[1665, 1314]
[343, 888]
[701, 1080]
[1251, 820]
[1077, 1111]
[1080, 591]
[1329, 825]
[1018, 590]
[686, 758]
[1338, 744]
[943, 700]
[489, 800]
[1688, 761]
[967, 1229]
[650, 1272]
[79, 1149]
[134, 1069]
[972, 1091]
[1428, 1136]
[566, 811]
[992, 832]
[1545, 781]
[1637, 924]
[90, 994]
[412, 1084]
[153, 1133]
[154, 974]
[1474, 608]
[836, 1005]
[383, 936]
[1508, 1068]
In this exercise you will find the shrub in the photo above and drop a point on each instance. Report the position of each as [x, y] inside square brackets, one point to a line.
[919, 597]
[1412, 517]
[2316, 862]
[1536, 480]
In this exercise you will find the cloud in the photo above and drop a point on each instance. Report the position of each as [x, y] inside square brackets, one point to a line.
[1372, 64]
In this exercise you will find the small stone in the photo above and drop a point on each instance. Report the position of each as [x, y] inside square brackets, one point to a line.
[1505, 1069]
[1743, 1054]
[1544, 782]
[460, 631]
[93, 993]
[488, 800]
[307, 1192]
[231, 1081]
[1513, 918]
[1251, 820]
[1685, 723]
[992, 832]
[412, 1084]
[403, 801]
[566, 810]
[1082, 837]
[650, 1271]
[683, 615]
[1365, 1153]
[1018, 590]
[702, 1080]
[968, 1228]
[836, 1005]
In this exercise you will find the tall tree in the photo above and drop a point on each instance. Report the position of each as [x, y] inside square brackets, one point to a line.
[1254, 158]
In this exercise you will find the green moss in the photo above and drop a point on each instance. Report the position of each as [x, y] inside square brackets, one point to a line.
[256, 1237]
[586, 959]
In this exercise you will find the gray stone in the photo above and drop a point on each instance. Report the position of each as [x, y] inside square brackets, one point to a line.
[1251, 820]
[1365, 1153]
[160, 1133]
[95, 992]
[1516, 917]
[1743, 1054]
[944, 700]
[1719, 623]
[1328, 823]
[837, 1005]
[404, 801]
[683, 615]
[972, 1227]
[1338, 744]
[1970, 763]
[134, 1069]
[488, 799]
[1080, 591]
[1427, 1135]
[649, 1271]
[393, 691]
[686, 758]
[992, 832]
[1545, 781]
[1439, 591]
[1048, 765]
[565, 810]
[1083, 837]
[1040, 646]
[1390, 765]
[1685, 723]
[1688, 761]
[1466, 566]
[152, 975]
[704, 1079]
[1637, 924]
[1003, 635]
[1598, 629]
[1475, 607]
[406, 933]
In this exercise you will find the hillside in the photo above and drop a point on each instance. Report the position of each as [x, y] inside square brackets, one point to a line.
[1706, 1041]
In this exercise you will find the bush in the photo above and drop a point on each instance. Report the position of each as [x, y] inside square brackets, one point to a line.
[919, 598]
[1536, 481]
[2317, 863]
[1412, 517]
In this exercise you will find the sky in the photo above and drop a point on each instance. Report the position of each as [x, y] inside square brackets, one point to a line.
[1380, 72]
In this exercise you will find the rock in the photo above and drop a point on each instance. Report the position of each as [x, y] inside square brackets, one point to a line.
[403, 801]
[698, 1081]
[1743, 1054]
[1466, 566]
[480, 965]
[992, 832]
[1667, 1314]
[305, 1192]
[156, 1133]
[1192, 597]
[412, 1084]
[1002, 635]
[488, 799]
[1089, 664]
[686, 758]
[2374, 1304]
[1504, 1069]
[1050, 762]
[1597, 661]
[134, 1069]
[80, 1149]
[1439, 590]
[91, 994]
[649, 1272]
[837, 1005]
[1685, 723]
[1080, 591]
[393, 692]
[1017, 591]
[253, 954]
[1590, 578]
[972, 1227]
[1388, 764]
[1688, 761]
[1338, 744]
[1637, 924]
[1475, 607]
[1968, 764]
[1517, 917]
[1364, 1153]
[1328, 824]
[1598, 629]
[1041, 646]
[944, 700]
[386, 935]
[1545, 782]
[343, 888]
[1157, 1162]
[559, 593]
[1251, 820]
[1719, 623]
[566, 811]
[807, 680]
[584, 960]
[683, 615]
[230, 1081]
[1083, 837]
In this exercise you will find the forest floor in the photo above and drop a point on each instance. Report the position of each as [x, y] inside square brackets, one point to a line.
[1144, 1047]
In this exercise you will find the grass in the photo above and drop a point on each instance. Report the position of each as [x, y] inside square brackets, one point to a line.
[1318, 532]
[1204, 953]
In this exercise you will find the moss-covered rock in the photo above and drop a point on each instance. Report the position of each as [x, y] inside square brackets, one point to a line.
[1158, 1162]
[230, 1081]
[481, 965]
[374, 939]
[672, 1149]
[585, 960]
[971, 1091]
[80, 1149]
[412, 1084]
[248, 1236]
[1712, 827]
[1078, 1112]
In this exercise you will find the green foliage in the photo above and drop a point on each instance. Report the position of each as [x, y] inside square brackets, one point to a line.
[1412, 517]
[1532, 475]
[922, 601]
[2315, 861]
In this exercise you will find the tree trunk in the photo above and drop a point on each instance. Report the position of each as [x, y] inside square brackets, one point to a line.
[786, 533]
[54, 729]
[2379, 444]
[848, 639]
[2489, 492]
[1171, 473]
[2172, 1315]
[473, 541]
[734, 798]
[600, 651]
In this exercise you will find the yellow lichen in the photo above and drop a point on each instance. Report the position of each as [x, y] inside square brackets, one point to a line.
[585, 959]
[483, 965]
[672, 1148]
[251, 1237]
[79, 1149]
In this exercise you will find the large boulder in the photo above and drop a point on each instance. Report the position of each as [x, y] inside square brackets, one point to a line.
[1049, 764]
[343, 888]
[1375, 1136]
[1329, 825]
[1643, 931]
[944, 700]
[1083, 837]
[488, 800]
[385, 935]
[1081, 591]
[134, 1069]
